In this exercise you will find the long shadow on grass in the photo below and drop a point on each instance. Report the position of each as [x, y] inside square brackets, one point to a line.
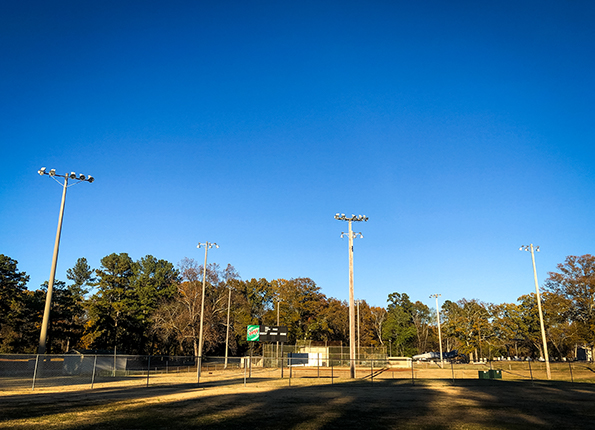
[346, 405]
[526, 404]
[112, 393]
[385, 404]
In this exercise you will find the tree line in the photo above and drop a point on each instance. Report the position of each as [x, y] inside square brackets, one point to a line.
[151, 306]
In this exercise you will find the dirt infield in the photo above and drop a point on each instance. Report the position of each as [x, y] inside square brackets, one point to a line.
[272, 404]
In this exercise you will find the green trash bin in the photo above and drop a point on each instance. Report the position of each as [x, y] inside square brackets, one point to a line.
[490, 374]
[495, 374]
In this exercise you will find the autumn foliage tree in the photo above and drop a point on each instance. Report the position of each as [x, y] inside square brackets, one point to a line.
[469, 323]
[575, 281]
[398, 328]
[150, 306]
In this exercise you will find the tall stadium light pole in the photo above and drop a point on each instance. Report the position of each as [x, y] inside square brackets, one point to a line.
[439, 331]
[48, 297]
[351, 235]
[206, 246]
[543, 339]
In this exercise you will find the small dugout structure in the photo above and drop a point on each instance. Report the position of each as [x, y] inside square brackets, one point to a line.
[320, 354]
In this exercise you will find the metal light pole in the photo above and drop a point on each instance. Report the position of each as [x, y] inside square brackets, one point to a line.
[351, 235]
[278, 302]
[206, 246]
[359, 357]
[48, 297]
[439, 331]
[543, 339]
[227, 333]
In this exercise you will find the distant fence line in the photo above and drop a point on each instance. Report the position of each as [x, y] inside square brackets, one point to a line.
[84, 371]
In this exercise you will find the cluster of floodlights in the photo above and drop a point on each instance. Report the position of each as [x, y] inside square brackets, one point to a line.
[342, 217]
[528, 248]
[208, 245]
[72, 175]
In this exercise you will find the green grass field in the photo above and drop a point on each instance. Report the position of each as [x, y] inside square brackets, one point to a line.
[272, 404]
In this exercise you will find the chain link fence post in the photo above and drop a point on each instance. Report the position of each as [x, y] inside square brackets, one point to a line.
[149, 369]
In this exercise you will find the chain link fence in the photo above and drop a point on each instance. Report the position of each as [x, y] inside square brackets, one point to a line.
[78, 371]
[292, 367]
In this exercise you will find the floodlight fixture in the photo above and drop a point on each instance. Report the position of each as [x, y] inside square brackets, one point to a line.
[207, 244]
[343, 217]
[71, 175]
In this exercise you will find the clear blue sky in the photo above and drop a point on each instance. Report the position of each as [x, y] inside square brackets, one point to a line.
[462, 129]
